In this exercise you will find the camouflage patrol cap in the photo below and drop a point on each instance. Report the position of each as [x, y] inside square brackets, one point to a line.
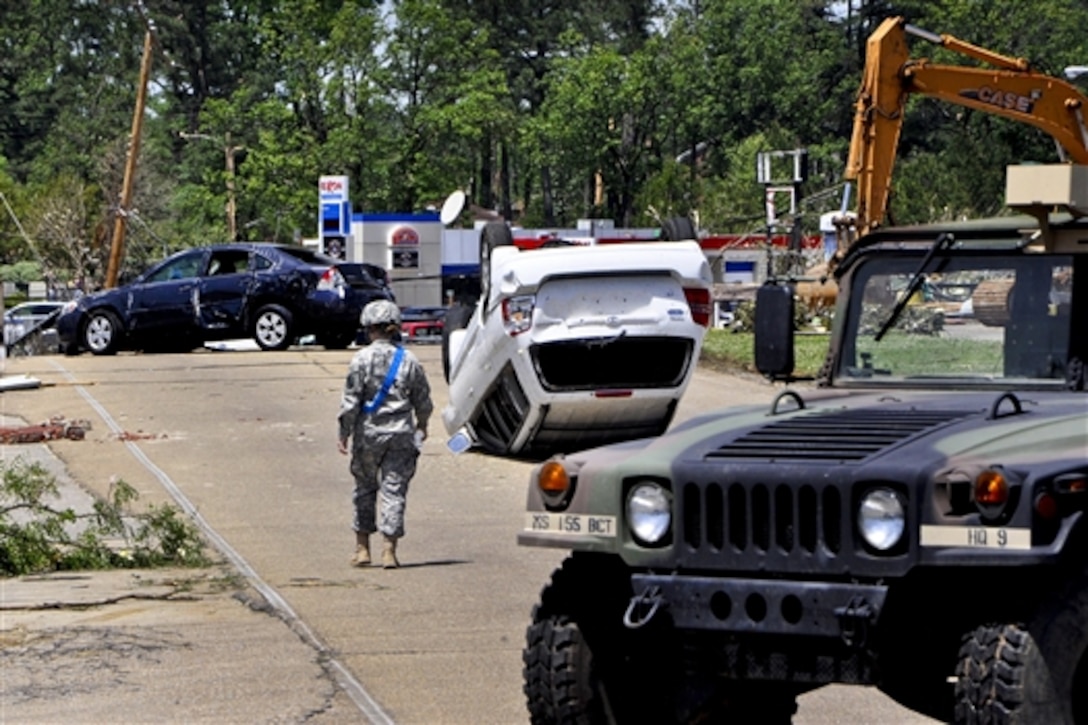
[380, 312]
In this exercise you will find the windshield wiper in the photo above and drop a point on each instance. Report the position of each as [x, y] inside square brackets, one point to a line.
[944, 241]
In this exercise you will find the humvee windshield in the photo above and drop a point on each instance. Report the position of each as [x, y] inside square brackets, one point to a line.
[978, 319]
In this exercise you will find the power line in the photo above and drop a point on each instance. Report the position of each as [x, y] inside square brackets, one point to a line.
[30, 242]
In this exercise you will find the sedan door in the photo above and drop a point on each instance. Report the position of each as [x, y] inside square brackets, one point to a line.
[221, 304]
[162, 303]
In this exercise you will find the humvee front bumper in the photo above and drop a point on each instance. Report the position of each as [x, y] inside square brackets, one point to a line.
[725, 604]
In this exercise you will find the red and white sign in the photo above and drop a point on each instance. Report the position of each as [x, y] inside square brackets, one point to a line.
[404, 242]
[333, 188]
[404, 237]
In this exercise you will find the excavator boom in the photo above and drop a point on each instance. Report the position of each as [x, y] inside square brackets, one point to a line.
[1011, 89]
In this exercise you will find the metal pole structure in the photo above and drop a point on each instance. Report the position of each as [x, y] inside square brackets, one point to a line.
[117, 248]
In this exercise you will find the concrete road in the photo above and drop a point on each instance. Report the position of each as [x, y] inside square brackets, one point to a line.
[246, 442]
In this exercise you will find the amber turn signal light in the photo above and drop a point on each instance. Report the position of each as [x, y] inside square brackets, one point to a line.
[991, 489]
[553, 479]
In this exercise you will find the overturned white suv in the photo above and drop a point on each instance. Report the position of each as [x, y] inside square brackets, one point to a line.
[574, 346]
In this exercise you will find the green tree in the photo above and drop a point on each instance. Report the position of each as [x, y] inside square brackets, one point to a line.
[530, 37]
[451, 100]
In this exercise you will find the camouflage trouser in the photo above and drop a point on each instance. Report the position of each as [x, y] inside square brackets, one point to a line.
[383, 468]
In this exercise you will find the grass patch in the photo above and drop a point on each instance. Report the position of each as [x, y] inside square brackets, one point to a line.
[901, 353]
[36, 537]
[938, 356]
[735, 351]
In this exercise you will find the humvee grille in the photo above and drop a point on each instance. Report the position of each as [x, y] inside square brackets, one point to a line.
[762, 519]
[839, 436]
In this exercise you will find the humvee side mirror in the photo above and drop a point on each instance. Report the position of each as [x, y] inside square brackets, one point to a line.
[774, 330]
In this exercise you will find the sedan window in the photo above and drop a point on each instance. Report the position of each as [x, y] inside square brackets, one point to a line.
[261, 262]
[231, 261]
[181, 268]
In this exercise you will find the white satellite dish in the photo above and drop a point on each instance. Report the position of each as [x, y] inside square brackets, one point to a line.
[451, 207]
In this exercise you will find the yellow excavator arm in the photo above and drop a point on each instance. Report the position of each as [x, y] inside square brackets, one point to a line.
[1010, 89]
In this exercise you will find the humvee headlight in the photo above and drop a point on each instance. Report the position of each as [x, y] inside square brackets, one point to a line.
[881, 518]
[649, 512]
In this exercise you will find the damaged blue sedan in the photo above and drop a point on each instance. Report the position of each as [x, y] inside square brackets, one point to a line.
[272, 293]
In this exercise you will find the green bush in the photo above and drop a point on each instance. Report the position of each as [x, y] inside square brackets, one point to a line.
[36, 537]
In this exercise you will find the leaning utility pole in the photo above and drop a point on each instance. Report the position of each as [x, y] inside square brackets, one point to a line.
[117, 248]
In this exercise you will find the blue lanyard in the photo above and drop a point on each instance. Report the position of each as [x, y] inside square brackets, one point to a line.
[390, 376]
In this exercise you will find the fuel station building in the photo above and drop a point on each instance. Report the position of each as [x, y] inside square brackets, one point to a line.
[429, 265]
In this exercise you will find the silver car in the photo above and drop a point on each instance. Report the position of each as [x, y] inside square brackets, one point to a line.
[24, 319]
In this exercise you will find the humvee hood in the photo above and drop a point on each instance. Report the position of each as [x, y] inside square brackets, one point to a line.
[864, 428]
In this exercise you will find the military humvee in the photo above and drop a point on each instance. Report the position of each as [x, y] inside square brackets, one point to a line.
[914, 520]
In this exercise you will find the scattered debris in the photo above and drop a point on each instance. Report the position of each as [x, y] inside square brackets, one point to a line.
[56, 428]
[138, 436]
[19, 382]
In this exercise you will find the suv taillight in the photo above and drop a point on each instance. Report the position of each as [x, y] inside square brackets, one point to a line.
[699, 303]
[331, 281]
[517, 314]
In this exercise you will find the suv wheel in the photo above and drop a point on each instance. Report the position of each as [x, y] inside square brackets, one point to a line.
[678, 229]
[457, 318]
[493, 235]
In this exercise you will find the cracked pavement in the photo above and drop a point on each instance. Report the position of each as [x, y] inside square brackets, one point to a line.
[167, 643]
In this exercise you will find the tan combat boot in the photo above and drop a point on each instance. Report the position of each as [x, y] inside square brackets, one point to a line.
[389, 552]
[362, 550]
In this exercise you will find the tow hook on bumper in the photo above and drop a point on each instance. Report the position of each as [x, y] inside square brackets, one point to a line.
[854, 621]
[848, 611]
[643, 607]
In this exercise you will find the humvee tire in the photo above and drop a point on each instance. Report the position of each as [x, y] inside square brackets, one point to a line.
[576, 669]
[581, 664]
[1034, 673]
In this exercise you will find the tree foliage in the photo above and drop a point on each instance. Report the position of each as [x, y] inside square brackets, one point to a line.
[545, 111]
[36, 536]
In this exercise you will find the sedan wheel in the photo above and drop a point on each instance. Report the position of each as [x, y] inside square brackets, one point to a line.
[272, 328]
[102, 333]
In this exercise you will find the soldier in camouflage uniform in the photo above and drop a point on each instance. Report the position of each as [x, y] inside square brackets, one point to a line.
[385, 417]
